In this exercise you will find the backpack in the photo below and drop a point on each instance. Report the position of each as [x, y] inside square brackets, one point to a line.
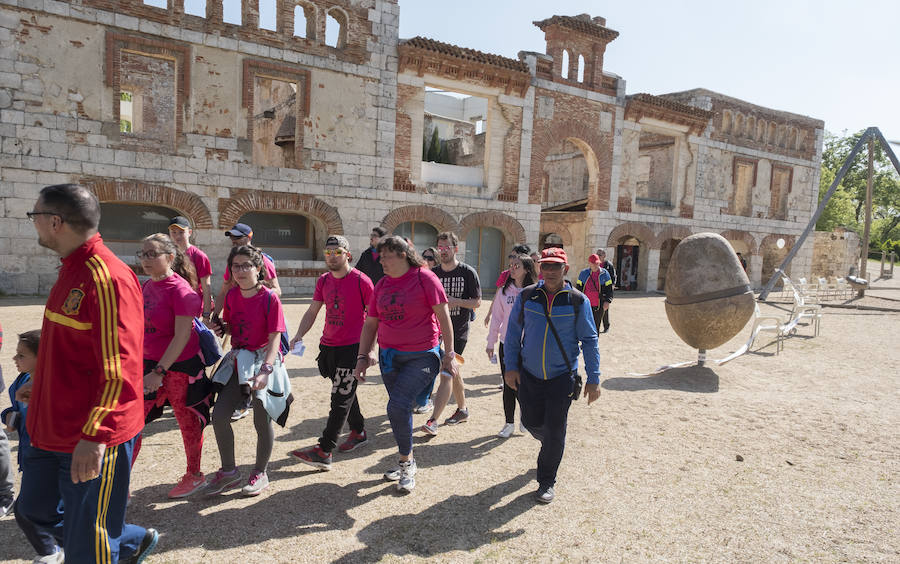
[577, 298]
[210, 351]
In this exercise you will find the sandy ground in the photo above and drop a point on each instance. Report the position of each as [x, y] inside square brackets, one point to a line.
[770, 458]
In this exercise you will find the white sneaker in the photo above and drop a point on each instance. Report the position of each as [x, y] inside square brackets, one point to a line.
[407, 476]
[56, 557]
[506, 431]
[240, 413]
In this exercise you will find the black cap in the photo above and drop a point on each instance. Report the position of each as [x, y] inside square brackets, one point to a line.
[180, 221]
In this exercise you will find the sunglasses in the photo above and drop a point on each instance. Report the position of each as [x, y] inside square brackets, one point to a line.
[141, 255]
[552, 266]
[336, 252]
[428, 257]
[443, 248]
[242, 266]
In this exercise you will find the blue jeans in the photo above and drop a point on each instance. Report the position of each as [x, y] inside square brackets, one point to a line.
[545, 411]
[407, 376]
[93, 523]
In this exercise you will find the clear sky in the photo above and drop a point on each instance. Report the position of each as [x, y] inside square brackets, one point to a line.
[828, 59]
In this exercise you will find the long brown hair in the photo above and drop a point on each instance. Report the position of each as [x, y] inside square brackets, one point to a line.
[530, 272]
[181, 265]
[397, 244]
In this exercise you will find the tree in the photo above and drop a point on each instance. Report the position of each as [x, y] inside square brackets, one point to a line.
[434, 151]
[847, 206]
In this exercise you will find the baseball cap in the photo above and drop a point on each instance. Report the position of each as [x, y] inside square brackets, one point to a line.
[338, 241]
[554, 254]
[180, 222]
[239, 230]
[594, 259]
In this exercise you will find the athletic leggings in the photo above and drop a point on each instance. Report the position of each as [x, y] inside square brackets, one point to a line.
[509, 394]
[226, 402]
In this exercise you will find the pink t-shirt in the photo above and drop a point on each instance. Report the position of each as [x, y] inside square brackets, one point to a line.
[268, 270]
[344, 300]
[403, 306]
[201, 263]
[501, 280]
[163, 301]
[252, 319]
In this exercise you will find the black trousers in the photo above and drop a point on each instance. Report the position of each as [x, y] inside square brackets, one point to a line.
[601, 317]
[337, 364]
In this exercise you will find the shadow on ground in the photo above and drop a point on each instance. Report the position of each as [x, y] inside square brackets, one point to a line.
[697, 379]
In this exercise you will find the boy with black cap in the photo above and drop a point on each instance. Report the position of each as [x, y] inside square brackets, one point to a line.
[345, 292]
[180, 232]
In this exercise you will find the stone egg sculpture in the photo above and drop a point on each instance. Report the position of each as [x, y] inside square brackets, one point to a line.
[708, 295]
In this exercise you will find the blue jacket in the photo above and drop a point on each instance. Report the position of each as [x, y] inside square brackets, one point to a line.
[22, 410]
[540, 355]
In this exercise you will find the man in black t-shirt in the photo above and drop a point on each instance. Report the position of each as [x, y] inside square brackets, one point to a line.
[463, 290]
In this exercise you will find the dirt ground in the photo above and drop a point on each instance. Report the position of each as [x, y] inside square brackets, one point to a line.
[770, 458]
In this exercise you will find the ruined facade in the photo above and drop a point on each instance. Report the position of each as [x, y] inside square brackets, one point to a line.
[320, 120]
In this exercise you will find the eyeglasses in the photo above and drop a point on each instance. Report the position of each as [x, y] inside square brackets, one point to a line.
[428, 257]
[515, 266]
[242, 266]
[337, 252]
[141, 255]
[34, 213]
[443, 248]
[237, 237]
[551, 266]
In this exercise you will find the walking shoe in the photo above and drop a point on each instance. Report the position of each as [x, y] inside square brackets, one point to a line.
[151, 537]
[240, 413]
[189, 484]
[544, 494]
[353, 441]
[430, 427]
[6, 506]
[459, 417]
[407, 476]
[256, 484]
[57, 557]
[222, 481]
[314, 456]
[506, 431]
[420, 409]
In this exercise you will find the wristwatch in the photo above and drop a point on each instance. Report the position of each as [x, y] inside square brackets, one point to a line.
[158, 369]
[266, 368]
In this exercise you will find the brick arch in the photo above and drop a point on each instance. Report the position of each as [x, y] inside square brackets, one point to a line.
[132, 191]
[554, 226]
[589, 142]
[231, 209]
[509, 226]
[441, 220]
[746, 237]
[671, 232]
[769, 241]
[637, 230]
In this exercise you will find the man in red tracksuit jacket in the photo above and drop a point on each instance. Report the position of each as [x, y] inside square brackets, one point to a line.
[86, 403]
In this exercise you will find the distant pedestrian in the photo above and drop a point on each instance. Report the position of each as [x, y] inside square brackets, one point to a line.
[368, 262]
[597, 285]
[611, 270]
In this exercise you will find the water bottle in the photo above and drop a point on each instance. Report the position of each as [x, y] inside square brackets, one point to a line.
[493, 358]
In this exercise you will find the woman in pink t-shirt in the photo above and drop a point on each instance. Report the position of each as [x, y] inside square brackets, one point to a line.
[173, 370]
[409, 313]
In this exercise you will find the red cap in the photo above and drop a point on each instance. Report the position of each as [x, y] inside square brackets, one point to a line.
[554, 254]
[594, 259]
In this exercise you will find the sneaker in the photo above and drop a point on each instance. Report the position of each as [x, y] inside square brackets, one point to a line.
[6, 506]
[151, 537]
[407, 479]
[314, 456]
[57, 557]
[256, 484]
[506, 431]
[353, 441]
[544, 494]
[420, 409]
[189, 484]
[430, 427]
[459, 417]
[240, 413]
[222, 481]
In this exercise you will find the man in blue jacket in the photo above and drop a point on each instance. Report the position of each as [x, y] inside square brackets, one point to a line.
[537, 368]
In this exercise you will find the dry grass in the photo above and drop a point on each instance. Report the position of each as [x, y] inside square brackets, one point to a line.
[651, 471]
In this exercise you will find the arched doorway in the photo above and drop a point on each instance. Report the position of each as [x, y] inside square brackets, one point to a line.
[284, 236]
[123, 225]
[423, 235]
[628, 259]
[484, 252]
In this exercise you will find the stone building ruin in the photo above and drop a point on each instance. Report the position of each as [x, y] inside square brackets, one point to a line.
[309, 117]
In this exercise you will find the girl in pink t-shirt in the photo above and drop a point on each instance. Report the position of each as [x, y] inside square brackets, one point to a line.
[409, 314]
[174, 371]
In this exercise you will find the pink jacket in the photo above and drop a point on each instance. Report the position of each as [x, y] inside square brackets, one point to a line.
[500, 309]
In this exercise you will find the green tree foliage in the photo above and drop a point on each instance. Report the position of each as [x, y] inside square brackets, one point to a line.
[847, 206]
[434, 150]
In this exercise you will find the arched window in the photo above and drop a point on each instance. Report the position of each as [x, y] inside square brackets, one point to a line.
[268, 15]
[485, 253]
[564, 71]
[284, 236]
[580, 68]
[305, 21]
[726, 122]
[761, 131]
[770, 136]
[423, 235]
[336, 28]
[738, 124]
[122, 226]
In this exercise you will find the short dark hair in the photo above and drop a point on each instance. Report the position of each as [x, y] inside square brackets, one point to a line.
[397, 244]
[521, 250]
[31, 340]
[449, 236]
[249, 251]
[75, 204]
[379, 230]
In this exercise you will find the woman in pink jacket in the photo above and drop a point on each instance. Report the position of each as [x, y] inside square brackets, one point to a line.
[521, 273]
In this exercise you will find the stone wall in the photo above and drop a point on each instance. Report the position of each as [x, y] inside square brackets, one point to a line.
[834, 253]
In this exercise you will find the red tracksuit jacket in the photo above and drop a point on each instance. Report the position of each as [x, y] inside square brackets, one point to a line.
[88, 383]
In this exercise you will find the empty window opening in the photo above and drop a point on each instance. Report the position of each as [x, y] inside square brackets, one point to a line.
[148, 102]
[304, 21]
[484, 252]
[231, 12]
[566, 177]
[565, 65]
[268, 11]
[284, 236]
[422, 235]
[336, 29]
[124, 225]
[128, 101]
[580, 68]
[656, 168]
[195, 8]
[274, 122]
[164, 4]
[455, 127]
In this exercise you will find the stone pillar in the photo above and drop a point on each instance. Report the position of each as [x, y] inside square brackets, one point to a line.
[754, 271]
[652, 269]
